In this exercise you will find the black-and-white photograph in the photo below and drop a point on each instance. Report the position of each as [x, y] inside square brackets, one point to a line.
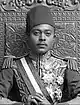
[39, 52]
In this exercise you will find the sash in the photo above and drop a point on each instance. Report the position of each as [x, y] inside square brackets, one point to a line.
[31, 78]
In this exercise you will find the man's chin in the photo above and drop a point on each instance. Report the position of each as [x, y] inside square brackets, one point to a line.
[41, 52]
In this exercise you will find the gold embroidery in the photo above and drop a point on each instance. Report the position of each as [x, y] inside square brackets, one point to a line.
[52, 74]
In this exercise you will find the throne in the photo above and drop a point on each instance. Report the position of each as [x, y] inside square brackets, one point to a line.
[13, 38]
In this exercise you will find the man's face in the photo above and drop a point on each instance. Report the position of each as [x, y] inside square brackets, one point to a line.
[41, 38]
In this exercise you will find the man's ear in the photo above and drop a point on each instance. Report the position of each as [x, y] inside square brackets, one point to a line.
[55, 39]
[53, 43]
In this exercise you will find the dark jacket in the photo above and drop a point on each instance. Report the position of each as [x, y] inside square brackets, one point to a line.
[9, 87]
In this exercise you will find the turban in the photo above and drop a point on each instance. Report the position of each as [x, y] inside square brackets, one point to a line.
[39, 15]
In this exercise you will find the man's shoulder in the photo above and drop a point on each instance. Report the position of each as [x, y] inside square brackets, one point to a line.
[70, 61]
[59, 61]
[9, 60]
[58, 57]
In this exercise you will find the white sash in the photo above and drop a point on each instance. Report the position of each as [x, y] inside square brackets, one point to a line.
[30, 76]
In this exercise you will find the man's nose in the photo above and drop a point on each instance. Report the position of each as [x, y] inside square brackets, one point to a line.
[42, 37]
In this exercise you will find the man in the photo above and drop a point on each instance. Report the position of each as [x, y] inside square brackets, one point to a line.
[39, 78]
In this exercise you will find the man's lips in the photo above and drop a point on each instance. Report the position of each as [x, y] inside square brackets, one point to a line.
[43, 45]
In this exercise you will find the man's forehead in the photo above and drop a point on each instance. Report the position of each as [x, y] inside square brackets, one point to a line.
[43, 27]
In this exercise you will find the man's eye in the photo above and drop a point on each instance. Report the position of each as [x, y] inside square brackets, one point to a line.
[36, 33]
[48, 33]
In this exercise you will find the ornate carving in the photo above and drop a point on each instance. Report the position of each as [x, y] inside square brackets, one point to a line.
[22, 5]
[66, 40]
[16, 40]
[2, 42]
[13, 17]
[78, 43]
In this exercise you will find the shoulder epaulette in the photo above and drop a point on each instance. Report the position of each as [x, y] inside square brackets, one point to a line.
[71, 61]
[9, 60]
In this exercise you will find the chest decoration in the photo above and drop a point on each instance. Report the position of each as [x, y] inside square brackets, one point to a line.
[52, 74]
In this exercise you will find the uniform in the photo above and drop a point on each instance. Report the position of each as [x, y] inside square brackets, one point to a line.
[62, 83]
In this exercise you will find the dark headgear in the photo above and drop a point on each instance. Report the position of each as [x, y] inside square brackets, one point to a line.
[39, 15]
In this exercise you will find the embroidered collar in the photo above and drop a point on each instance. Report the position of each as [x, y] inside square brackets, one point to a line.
[42, 58]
